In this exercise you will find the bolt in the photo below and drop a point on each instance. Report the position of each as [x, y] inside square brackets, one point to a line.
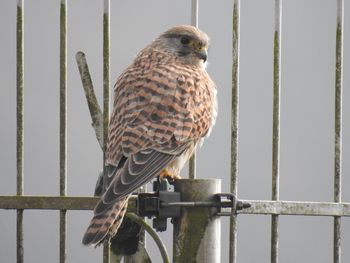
[242, 205]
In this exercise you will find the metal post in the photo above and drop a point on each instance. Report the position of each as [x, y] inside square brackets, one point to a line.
[197, 233]
[20, 137]
[276, 127]
[63, 126]
[338, 129]
[234, 125]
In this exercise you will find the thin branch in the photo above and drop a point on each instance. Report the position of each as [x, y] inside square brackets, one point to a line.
[94, 107]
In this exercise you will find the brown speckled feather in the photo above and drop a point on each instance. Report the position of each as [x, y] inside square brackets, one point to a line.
[156, 99]
[163, 106]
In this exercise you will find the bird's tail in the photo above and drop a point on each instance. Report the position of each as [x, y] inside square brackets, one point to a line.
[105, 225]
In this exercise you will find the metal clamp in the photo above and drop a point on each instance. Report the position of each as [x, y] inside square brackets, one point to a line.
[164, 203]
[229, 204]
[150, 204]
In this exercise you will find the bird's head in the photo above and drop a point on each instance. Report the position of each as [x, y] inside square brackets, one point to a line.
[188, 43]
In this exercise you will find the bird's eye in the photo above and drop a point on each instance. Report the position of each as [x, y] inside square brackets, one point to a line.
[185, 40]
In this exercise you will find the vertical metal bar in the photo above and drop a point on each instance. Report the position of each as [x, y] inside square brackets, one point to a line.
[234, 124]
[194, 12]
[106, 48]
[20, 75]
[276, 126]
[63, 125]
[194, 22]
[20, 236]
[143, 239]
[20, 134]
[338, 128]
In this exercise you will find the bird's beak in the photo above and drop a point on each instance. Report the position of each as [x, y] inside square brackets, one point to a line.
[202, 54]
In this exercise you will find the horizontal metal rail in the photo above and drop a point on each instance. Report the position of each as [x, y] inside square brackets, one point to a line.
[259, 207]
[296, 208]
[54, 202]
[48, 202]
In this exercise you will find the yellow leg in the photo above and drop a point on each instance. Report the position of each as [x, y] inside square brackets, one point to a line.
[166, 174]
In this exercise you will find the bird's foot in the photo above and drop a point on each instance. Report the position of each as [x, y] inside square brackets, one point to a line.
[165, 174]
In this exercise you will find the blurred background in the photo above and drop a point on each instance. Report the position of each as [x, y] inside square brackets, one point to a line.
[307, 116]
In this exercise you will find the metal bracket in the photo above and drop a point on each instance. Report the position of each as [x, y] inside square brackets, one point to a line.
[229, 204]
[164, 203]
[150, 204]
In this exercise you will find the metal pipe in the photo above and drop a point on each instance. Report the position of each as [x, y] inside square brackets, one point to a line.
[338, 129]
[194, 22]
[276, 126]
[197, 232]
[234, 124]
[20, 133]
[63, 126]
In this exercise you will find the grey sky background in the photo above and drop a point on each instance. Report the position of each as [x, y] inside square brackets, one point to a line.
[307, 116]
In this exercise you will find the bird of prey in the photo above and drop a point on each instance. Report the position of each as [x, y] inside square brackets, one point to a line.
[164, 105]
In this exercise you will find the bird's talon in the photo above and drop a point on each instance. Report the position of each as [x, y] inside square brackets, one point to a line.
[169, 176]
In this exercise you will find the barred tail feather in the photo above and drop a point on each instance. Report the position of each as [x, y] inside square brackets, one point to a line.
[105, 225]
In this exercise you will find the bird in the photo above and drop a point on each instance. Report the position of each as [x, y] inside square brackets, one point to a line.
[165, 104]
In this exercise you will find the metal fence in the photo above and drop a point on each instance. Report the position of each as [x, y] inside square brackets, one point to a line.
[275, 207]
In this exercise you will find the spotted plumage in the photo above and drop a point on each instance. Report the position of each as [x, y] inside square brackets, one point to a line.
[164, 105]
